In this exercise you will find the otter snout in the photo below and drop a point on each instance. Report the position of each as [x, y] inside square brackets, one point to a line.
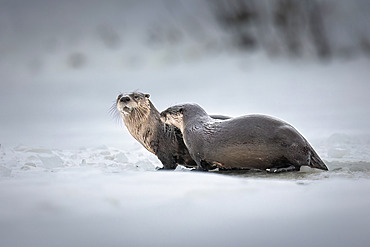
[124, 99]
[137, 103]
[124, 103]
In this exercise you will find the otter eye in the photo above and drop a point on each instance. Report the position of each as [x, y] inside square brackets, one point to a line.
[136, 97]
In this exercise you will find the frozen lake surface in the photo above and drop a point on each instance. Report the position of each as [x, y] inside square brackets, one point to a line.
[107, 196]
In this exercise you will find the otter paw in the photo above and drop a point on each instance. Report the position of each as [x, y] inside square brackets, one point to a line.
[164, 168]
[283, 169]
[198, 169]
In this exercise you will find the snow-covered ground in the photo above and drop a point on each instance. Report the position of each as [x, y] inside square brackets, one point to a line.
[70, 175]
[114, 197]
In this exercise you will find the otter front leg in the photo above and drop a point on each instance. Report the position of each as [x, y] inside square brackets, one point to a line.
[203, 165]
[169, 163]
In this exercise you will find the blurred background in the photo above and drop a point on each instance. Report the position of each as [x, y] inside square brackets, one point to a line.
[62, 64]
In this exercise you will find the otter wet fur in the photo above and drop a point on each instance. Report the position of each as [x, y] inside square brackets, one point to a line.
[247, 142]
[143, 122]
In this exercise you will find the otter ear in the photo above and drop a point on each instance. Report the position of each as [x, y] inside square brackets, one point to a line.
[181, 110]
[147, 95]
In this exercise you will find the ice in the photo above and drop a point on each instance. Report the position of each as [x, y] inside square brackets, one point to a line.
[52, 161]
[121, 158]
[336, 152]
[345, 148]
[30, 164]
[4, 171]
[159, 208]
[125, 200]
[83, 162]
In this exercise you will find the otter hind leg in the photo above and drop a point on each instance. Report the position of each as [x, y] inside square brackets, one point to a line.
[282, 169]
[282, 164]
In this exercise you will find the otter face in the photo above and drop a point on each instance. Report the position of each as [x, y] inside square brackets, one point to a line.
[126, 103]
[178, 115]
[174, 116]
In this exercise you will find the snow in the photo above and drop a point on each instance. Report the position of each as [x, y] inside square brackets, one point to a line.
[106, 196]
[70, 175]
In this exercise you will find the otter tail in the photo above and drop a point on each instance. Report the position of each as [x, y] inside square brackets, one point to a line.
[316, 161]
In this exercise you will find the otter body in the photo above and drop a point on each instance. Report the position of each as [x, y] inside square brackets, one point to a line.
[247, 142]
[143, 122]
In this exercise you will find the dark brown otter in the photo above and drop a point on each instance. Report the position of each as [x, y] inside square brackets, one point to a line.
[143, 122]
[247, 142]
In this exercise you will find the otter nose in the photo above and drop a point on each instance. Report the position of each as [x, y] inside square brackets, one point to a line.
[124, 99]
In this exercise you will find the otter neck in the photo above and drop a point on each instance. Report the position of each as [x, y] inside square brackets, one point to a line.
[142, 123]
[194, 120]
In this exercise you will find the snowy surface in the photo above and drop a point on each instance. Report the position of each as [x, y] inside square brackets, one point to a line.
[70, 175]
[114, 197]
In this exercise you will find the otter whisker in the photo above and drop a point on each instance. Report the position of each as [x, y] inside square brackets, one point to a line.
[113, 109]
[113, 112]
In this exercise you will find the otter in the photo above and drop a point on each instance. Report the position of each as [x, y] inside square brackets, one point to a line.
[247, 142]
[143, 122]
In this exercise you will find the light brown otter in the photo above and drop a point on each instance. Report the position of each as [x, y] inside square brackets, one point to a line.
[247, 142]
[143, 122]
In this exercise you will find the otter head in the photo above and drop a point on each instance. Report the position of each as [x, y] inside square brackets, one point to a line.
[174, 116]
[133, 105]
[178, 115]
